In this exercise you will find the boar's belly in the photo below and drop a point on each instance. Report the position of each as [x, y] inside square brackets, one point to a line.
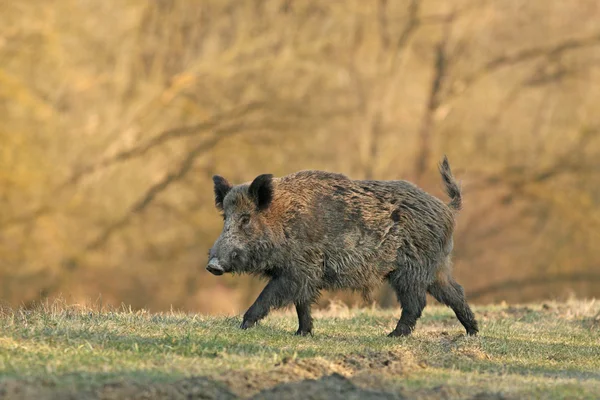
[352, 272]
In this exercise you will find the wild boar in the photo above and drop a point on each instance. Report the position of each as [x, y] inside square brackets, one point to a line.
[313, 230]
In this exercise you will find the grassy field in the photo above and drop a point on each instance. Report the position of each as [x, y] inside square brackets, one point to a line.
[549, 350]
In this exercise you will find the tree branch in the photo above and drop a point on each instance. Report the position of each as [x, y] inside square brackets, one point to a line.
[144, 201]
[164, 137]
[530, 54]
[569, 162]
[185, 166]
[409, 28]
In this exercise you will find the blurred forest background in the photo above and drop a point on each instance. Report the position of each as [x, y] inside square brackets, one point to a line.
[114, 115]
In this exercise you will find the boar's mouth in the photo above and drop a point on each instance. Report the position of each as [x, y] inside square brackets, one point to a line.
[214, 267]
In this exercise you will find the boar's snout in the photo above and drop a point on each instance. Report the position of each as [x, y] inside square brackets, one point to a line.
[214, 267]
[222, 259]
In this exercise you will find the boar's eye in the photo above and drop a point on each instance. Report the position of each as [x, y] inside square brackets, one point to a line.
[244, 220]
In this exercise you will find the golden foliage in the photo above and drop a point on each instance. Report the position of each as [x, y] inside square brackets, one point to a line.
[115, 115]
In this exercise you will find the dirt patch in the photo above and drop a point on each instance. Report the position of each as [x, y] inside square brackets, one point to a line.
[364, 369]
[15, 389]
[335, 387]
[444, 392]
[190, 388]
[472, 353]
[492, 396]
[461, 346]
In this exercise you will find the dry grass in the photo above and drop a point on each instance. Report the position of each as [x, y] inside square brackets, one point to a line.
[548, 350]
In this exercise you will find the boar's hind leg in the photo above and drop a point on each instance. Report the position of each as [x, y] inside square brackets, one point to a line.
[412, 298]
[304, 318]
[447, 291]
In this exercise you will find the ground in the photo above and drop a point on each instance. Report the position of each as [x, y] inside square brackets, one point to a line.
[549, 350]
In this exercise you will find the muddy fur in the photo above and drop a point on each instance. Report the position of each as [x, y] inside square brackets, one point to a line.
[314, 230]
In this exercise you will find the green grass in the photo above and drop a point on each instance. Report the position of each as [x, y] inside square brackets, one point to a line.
[540, 351]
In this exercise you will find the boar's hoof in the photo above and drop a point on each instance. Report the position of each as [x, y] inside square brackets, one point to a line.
[247, 324]
[400, 331]
[301, 332]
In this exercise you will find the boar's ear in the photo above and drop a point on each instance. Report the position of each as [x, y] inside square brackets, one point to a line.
[222, 187]
[261, 191]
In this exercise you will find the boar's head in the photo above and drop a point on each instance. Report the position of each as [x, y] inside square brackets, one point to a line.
[244, 241]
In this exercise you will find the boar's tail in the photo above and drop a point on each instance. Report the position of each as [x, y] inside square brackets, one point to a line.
[451, 185]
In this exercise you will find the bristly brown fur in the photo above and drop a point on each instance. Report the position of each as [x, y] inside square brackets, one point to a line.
[314, 230]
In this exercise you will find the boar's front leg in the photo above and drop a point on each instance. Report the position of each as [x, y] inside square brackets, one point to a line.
[278, 293]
